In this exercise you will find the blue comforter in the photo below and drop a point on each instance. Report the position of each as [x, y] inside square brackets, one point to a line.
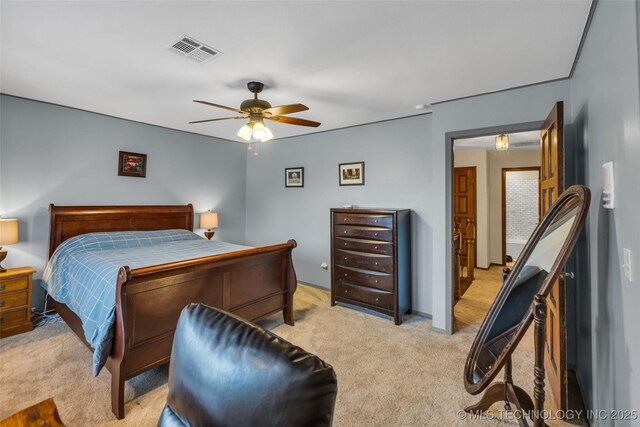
[83, 270]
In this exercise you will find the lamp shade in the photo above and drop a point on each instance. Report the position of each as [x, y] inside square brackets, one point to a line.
[269, 135]
[259, 131]
[209, 219]
[245, 132]
[8, 231]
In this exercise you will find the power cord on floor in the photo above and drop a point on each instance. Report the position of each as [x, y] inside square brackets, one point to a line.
[41, 318]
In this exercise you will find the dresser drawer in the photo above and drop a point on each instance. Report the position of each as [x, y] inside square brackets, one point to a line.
[381, 281]
[370, 233]
[382, 263]
[371, 246]
[14, 284]
[364, 219]
[14, 316]
[366, 295]
[13, 300]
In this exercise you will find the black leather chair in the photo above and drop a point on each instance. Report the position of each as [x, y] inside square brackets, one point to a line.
[226, 371]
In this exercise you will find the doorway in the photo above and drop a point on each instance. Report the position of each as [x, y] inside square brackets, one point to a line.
[551, 162]
[483, 174]
[520, 209]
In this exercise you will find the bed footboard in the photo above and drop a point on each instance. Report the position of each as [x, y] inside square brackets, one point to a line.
[252, 284]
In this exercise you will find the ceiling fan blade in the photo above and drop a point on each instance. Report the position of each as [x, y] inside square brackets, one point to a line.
[215, 120]
[285, 109]
[221, 106]
[294, 121]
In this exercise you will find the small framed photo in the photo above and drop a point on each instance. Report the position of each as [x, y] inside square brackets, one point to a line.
[132, 164]
[351, 173]
[294, 177]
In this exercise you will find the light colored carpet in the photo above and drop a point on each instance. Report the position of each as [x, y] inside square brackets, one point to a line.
[387, 375]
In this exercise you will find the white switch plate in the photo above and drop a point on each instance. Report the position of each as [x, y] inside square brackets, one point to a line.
[627, 263]
[608, 187]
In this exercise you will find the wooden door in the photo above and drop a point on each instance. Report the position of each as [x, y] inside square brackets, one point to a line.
[551, 186]
[464, 202]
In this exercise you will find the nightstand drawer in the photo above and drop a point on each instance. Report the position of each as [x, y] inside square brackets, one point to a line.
[14, 316]
[13, 284]
[13, 300]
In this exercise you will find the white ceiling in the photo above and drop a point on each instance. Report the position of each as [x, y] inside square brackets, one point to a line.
[517, 142]
[350, 62]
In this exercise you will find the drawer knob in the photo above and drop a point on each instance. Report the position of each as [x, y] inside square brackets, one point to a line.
[2, 287]
[1, 303]
[345, 274]
[376, 281]
[377, 299]
[1, 320]
[345, 258]
[345, 243]
[376, 263]
[375, 234]
[346, 291]
[345, 231]
[375, 247]
[375, 220]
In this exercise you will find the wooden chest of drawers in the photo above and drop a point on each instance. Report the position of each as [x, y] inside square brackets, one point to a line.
[371, 259]
[15, 301]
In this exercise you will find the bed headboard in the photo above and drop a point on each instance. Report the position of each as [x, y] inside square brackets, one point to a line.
[69, 221]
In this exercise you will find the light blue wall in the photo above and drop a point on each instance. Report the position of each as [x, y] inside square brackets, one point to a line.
[51, 154]
[406, 166]
[396, 155]
[606, 119]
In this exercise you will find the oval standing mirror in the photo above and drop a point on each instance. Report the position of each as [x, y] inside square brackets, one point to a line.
[533, 274]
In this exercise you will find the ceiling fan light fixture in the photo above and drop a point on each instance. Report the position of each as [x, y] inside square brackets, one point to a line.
[245, 132]
[269, 135]
[502, 142]
[259, 130]
[256, 110]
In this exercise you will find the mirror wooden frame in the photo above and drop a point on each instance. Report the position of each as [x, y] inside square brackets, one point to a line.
[583, 196]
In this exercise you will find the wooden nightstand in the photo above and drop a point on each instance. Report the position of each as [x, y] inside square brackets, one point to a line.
[15, 301]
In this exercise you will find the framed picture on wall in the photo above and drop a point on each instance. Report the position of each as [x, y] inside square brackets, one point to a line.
[132, 164]
[294, 177]
[351, 173]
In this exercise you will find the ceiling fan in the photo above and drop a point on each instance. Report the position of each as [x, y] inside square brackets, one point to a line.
[257, 110]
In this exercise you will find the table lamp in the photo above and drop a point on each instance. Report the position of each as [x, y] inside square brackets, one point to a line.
[8, 236]
[209, 220]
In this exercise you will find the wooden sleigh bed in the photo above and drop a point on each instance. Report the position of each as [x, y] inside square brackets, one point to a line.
[253, 283]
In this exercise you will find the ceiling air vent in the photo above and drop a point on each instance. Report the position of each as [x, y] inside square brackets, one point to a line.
[191, 48]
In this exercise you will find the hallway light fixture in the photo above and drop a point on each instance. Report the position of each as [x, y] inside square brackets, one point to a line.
[502, 142]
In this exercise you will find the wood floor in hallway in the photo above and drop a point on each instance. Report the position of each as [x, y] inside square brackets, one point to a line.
[475, 302]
